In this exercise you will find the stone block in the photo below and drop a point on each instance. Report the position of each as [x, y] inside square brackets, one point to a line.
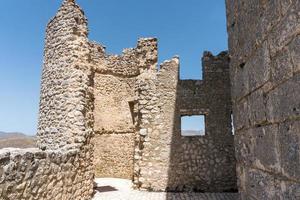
[294, 51]
[257, 108]
[289, 148]
[244, 142]
[259, 185]
[282, 67]
[258, 68]
[266, 150]
[241, 120]
[289, 190]
[283, 102]
[285, 30]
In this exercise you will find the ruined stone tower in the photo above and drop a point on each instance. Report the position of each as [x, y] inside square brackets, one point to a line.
[120, 115]
[62, 166]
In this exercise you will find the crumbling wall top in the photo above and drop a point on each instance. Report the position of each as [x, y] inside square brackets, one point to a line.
[131, 63]
[65, 101]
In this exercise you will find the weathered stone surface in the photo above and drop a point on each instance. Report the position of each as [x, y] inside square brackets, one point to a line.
[263, 45]
[133, 108]
[66, 81]
[136, 108]
[62, 167]
[114, 83]
[164, 159]
[289, 149]
[114, 155]
[36, 174]
[147, 104]
[283, 102]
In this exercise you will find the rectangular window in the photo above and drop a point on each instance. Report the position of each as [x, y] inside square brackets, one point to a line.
[193, 125]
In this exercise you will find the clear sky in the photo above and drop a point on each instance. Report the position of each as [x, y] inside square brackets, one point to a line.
[188, 123]
[183, 27]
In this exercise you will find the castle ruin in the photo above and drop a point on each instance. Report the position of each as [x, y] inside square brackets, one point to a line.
[120, 116]
[137, 121]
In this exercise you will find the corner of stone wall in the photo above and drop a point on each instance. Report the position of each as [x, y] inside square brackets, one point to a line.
[150, 97]
[115, 78]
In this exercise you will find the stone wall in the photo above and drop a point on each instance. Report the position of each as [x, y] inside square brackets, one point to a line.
[115, 77]
[154, 128]
[137, 121]
[65, 116]
[45, 175]
[164, 159]
[114, 126]
[62, 167]
[114, 155]
[264, 48]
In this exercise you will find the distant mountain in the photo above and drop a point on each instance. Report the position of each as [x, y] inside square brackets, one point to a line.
[192, 133]
[16, 140]
[10, 135]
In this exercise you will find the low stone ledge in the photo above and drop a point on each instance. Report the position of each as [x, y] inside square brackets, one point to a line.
[45, 174]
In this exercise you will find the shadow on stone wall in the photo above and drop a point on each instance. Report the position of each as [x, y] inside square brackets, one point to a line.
[203, 163]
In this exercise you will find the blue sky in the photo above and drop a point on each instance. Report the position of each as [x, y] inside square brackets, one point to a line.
[193, 123]
[184, 28]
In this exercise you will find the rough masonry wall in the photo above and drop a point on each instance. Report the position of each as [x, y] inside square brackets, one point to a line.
[66, 81]
[114, 81]
[154, 126]
[264, 41]
[45, 175]
[62, 167]
[209, 161]
[164, 159]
